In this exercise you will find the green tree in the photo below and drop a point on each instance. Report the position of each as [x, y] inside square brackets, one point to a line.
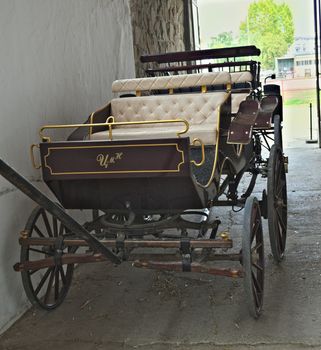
[224, 39]
[270, 27]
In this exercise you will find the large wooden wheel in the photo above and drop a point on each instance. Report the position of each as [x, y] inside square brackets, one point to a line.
[253, 256]
[46, 287]
[277, 203]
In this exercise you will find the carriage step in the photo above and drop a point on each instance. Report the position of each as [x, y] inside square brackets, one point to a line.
[240, 131]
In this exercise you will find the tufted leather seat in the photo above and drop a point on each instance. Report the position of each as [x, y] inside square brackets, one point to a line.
[200, 110]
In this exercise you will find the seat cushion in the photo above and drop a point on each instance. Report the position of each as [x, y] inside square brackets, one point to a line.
[207, 133]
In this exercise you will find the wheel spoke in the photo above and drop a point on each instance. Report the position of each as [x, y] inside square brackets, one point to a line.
[281, 208]
[61, 229]
[46, 221]
[43, 280]
[49, 287]
[281, 235]
[281, 221]
[257, 266]
[256, 297]
[56, 282]
[55, 226]
[62, 274]
[256, 247]
[257, 224]
[277, 170]
[280, 188]
[256, 283]
[278, 183]
[36, 228]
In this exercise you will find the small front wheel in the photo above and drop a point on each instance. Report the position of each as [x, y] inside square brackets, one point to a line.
[253, 256]
[46, 287]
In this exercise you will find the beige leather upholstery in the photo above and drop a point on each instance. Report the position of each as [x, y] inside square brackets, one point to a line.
[207, 133]
[237, 98]
[241, 77]
[195, 108]
[200, 110]
[171, 82]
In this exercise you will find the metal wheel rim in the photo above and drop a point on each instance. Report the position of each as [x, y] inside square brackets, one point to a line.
[56, 280]
[278, 132]
[277, 203]
[253, 257]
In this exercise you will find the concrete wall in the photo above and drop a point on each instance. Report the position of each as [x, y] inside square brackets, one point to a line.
[158, 27]
[58, 60]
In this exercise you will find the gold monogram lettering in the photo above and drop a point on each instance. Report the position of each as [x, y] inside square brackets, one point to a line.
[119, 155]
[105, 160]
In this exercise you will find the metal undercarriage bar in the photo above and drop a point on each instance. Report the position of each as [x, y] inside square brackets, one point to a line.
[154, 261]
[133, 243]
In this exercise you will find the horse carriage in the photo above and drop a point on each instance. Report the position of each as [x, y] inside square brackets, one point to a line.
[153, 165]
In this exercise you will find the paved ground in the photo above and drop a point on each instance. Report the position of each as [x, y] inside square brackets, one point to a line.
[129, 308]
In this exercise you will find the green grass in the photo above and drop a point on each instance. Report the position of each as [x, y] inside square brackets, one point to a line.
[299, 97]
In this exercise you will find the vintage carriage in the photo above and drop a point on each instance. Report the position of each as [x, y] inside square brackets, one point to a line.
[153, 165]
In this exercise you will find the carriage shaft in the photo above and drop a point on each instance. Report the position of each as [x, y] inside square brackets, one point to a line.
[54, 209]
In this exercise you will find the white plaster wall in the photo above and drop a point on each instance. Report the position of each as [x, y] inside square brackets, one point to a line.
[58, 59]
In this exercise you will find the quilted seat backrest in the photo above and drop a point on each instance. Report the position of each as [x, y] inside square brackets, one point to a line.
[172, 82]
[197, 109]
[241, 77]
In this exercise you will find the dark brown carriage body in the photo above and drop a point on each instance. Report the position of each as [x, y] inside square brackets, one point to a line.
[150, 175]
[147, 175]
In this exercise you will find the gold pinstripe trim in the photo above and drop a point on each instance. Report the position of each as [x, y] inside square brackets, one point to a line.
[120, 171]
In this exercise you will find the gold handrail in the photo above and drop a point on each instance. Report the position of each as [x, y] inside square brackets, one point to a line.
[200, 142]
[34, 164]
[110, 122]
[208, 184]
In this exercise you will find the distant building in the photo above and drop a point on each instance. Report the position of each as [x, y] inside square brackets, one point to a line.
[299, 62]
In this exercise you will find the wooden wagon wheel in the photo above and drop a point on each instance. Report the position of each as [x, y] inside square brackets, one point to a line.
[45, 287]
[253, 256]
[277, 203]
